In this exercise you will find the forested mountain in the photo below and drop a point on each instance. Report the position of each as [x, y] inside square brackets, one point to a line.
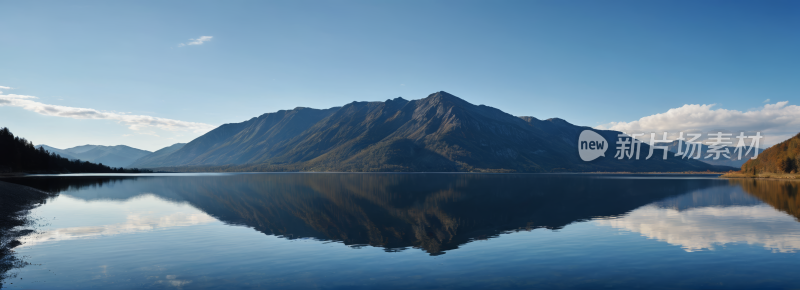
[114, 156]
[19, 155]
[780, 158]
[439, 133]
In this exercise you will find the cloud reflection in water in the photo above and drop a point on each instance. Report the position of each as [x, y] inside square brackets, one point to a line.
[705, 228]
[136, 220]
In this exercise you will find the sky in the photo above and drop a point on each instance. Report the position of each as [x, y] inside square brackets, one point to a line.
[149, 74]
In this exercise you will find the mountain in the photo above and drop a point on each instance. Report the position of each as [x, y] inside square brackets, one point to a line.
[114, 156]
[439, 133]
[20, 156]
[81, 149]
[61, 152]
[780, 158]
[158, 155]
[246, 142]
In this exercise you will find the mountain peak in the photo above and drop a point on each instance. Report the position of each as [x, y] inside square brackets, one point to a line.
[442, 95]
[398, 99]
[445, 97]
[529, 119]
[559, 121]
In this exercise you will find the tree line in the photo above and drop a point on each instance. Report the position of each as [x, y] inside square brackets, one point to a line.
[781, 158]
[19, 155]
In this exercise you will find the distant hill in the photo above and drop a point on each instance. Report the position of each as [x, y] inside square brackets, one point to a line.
[734, 161]
[780, 158]
[60, 152]
[156, 157]
[114, 156]
[439, 133]
[18, 155]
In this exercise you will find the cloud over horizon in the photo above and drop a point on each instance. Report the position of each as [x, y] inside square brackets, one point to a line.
[134, 122]
[197, 41]
[777, 122]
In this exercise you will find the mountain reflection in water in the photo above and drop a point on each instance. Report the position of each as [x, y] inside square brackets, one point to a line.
[434, 212]
[608, 231]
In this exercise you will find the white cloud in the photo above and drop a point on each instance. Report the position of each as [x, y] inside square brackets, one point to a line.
[766, 101]
[777, 122]
[197, 41]
[5, 88]
[151, 133]
[134, 122]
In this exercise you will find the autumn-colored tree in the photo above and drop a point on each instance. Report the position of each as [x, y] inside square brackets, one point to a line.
[797, 163]
[781, 158]
[787, 164]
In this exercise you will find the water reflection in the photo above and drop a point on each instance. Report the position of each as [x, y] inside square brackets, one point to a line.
[780, 194]
[710, 218]
[433, 212]
[439, 212]
[164, 231]
[137, 217]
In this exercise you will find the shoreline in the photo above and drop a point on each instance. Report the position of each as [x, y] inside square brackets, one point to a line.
[21, 174]
[777, 176]
[15, 223]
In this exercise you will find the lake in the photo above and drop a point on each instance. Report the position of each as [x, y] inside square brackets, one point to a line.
[404, 231]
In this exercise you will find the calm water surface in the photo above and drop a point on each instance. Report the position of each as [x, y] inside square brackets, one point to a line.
[402, 231]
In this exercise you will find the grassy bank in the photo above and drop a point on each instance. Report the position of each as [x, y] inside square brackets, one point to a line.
[739, 174]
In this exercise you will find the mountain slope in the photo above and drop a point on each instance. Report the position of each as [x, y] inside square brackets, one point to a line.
[439, 133]
[153, 158]
[61, 152]
[247, 142]
[448, 133]
[80, 149]
[780, 158]
[114, 156]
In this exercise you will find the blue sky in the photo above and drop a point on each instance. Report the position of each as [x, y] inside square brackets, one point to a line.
[589, 62]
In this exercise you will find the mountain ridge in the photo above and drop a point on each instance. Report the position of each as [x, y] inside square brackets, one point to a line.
[438, 133]
[114, 156]
[158, 154]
